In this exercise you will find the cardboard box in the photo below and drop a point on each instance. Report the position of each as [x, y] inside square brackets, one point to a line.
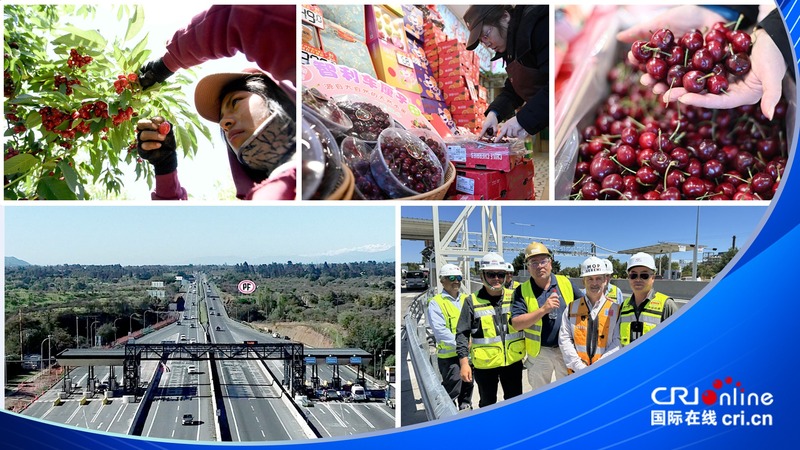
[465, 108]
[428, 85]
[349, 49]
[385, 24]
[520, 182]
[485, 184]
[495, 185]
[349, 17]
[452, 84]
[485, 156]
[386, 59]
[451, 97]
[413, 21]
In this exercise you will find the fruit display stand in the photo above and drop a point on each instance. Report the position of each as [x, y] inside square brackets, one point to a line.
[423, 78]
[618, 140]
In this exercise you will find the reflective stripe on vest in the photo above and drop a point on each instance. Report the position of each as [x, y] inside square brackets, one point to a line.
[613, 293]
[488, 350]
[649, 317]
[533, 335]
[579, 317]
[451, 314]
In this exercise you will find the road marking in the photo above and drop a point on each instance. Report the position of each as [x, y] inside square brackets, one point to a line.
[75, 413]
[385, 412]
[355, 410]
[263, 435]
[96, 414]
[320, 422]
[336, 416]
[155, 414]
[116, 415]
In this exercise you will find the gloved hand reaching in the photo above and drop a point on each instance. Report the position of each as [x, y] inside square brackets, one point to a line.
[157, 148]
[153, 72]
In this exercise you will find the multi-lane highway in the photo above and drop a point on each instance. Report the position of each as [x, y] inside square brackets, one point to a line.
[250, 401]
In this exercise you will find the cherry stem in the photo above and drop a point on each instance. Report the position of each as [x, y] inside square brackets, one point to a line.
[614, 158]
[579, 181]
[666, 172]
[637, 123]
[603, 191]
[738, 22]
[678, 127]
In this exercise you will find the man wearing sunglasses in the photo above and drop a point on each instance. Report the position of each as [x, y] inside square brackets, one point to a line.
[496, 348]
[645, 308]
[536, 308]
[443, 312]
[589, 329]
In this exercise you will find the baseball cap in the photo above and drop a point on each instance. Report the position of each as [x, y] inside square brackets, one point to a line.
[474, 17]
[206, 95]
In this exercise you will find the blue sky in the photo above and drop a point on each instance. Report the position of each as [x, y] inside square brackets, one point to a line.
[134, 235]
[612, 227]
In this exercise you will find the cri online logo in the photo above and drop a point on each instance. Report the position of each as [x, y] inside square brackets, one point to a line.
[724, 393]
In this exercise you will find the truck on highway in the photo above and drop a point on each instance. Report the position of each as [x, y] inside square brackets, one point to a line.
[358, 394]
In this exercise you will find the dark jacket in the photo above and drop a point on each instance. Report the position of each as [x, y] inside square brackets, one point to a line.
[527, 43]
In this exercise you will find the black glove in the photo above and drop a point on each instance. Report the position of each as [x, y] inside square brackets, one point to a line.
[163, 159]
[153, 72]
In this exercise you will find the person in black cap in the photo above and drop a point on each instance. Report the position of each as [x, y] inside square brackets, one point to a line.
[520, 36]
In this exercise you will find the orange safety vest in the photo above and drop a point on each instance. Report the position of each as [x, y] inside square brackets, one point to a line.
[579, 317]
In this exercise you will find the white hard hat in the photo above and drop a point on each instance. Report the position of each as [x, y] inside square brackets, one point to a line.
[642, 259]
[510, 268]
[593, 266]
[450, 269]
[493, 261]
[609, 267]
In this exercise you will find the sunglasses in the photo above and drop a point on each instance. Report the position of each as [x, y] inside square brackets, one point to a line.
[495, 274]
[455, 277]
[643, 276]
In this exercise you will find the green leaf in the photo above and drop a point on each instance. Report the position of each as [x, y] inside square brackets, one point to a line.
[33, 120]
[93, 38]
[51, 188]
[70, 177]
[19, 164]
[26, 99]
[186, 141]
[140, 46]
[135, 24]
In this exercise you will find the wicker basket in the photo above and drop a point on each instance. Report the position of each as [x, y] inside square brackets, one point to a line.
[346, 187]
[441, 191]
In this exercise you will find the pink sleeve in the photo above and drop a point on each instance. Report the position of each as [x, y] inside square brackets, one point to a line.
[280, 187]
[266, 34]
[168, 187]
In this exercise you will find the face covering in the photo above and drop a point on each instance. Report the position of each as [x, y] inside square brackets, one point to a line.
[272, 144]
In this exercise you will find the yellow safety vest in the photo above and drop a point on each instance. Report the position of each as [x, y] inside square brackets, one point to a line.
[489, 351]
[533, 335]
[510, 291]
[579, 314]
[613, 294]
[450, 313]
[649, 317]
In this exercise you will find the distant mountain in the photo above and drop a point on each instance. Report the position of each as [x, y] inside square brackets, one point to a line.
[14, 262]
[336, 257]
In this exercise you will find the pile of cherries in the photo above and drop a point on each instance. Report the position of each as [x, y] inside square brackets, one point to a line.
[368, 119]
[639, 148]
[356, 154]
[409, 161]
[437, 149]
[695, 62]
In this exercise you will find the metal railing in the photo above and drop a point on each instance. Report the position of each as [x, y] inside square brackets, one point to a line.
[415, 339]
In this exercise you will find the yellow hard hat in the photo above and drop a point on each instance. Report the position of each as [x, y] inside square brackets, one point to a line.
[536, 248]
